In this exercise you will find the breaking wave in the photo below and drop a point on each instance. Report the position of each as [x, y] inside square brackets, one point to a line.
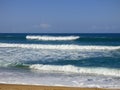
[52, 38]
[59, 47]
[67, 69]
[74, 69]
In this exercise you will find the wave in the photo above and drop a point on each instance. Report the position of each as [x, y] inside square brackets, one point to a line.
[74, 69]
[65, 68]
[59, 47]
[52, 38]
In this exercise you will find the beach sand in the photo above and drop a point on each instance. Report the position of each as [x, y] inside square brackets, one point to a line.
[37, 87]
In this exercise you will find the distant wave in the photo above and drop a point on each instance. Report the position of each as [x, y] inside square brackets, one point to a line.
[52, 38]
[59, 47]
[74, 69]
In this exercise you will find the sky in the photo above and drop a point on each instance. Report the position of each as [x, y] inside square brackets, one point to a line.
[59, 16]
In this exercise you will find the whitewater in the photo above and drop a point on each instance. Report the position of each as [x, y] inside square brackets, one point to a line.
[52, 38]
[80, 60]
[73, 69]
[68, 47]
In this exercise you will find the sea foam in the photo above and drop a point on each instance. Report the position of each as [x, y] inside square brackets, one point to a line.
[52, 38]
[74, 69]
[59, 47]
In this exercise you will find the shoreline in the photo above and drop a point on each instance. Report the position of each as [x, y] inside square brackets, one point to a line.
[42, 87]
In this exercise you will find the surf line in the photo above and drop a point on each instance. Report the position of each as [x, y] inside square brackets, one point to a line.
[52, 38]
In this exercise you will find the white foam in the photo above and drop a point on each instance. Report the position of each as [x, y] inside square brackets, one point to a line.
[52, 38]
[15, 76]
[74, 69]
[59, 47]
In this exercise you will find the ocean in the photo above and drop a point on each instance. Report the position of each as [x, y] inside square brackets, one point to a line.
[60, 59]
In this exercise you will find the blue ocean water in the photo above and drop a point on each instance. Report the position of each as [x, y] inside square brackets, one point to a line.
[82, 56]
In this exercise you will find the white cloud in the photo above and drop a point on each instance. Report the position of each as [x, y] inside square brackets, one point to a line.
[45, 25]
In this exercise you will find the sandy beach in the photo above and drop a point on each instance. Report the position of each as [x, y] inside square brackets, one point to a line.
[37, 87]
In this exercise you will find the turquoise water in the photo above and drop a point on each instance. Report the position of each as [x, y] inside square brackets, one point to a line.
[89, 55]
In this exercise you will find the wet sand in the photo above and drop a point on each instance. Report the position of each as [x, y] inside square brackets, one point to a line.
[40, 87]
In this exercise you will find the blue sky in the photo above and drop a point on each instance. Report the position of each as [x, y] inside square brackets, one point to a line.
[60, 16]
